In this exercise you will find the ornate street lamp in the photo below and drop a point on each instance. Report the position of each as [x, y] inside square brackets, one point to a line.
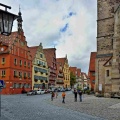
[6, 20]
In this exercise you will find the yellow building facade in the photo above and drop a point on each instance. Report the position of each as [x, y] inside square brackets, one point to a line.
[39, 68]
[66, 72]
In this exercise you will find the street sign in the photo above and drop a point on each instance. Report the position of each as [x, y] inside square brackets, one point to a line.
[1, 83]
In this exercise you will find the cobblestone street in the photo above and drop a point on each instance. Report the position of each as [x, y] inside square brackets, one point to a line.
[108, 108]
[40, 107]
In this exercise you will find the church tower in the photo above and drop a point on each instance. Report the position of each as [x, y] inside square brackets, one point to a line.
[19, 19]
[105, 45]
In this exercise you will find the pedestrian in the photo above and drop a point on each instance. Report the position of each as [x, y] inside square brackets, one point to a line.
[80, 95]
[52, 95]
[63, 96]
[56, 93]
[75, 95]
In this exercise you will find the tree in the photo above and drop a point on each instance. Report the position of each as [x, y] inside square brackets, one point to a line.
[72, 79]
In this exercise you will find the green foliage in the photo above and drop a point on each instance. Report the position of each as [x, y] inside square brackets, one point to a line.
[87, 91]
[79, 88]
[72, 79]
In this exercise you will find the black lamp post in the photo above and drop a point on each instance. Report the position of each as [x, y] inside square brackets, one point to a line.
[6, 20]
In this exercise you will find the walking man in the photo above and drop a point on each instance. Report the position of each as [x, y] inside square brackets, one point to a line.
[56, 93]
[52, 95]
[63, 96]
[75, 94]
[80, 95]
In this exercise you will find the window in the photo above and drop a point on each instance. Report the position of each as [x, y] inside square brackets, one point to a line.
[15, 73]
[28, 65]
[20, 62]
[3, 73]
[44, 64]
[25, 75]
[19, 85]
[14, 85]
[107, 73]
[38, 62]
[28, 75]
[93, 74]
[3, 60]
[25, 63]
[41, 55]
[15, 61]
[93, 81]
[20, 74]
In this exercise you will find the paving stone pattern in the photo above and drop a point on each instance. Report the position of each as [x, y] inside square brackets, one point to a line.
[108, 108]
[40, 107]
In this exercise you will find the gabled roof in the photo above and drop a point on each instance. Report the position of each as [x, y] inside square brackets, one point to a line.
[84, 74]
[61, 60]
[73, 70]
[50, 55]
[92, 61]
[60, 63]
[33, 51]
[78, 72]
[8, 40]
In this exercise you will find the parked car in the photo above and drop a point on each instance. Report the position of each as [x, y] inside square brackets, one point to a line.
[62, 89]
[40, 91]
[49, 90]
[46, 91]
[69, 89]
[31, 92]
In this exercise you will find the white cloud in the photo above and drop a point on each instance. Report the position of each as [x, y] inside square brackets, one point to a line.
[43, 19]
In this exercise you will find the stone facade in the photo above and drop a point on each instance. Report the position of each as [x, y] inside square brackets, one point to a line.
[107, 60]
[116, 53]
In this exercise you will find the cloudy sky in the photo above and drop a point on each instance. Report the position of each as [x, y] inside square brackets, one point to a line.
[67, 25]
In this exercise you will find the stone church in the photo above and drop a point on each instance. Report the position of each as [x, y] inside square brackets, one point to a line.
[108, 48]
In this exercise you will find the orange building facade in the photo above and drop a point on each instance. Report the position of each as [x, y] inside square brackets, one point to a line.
[15, 62]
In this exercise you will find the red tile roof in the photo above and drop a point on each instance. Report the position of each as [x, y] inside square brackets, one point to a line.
[84, 74]
[50, 55]
[60, 62]
[33, 51]
[92, 61]
[73, 70]
[78, 72]
[11, 39]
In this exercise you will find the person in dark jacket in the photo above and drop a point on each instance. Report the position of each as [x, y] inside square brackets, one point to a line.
[80, 95]
[52, 95]
[75, 94]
